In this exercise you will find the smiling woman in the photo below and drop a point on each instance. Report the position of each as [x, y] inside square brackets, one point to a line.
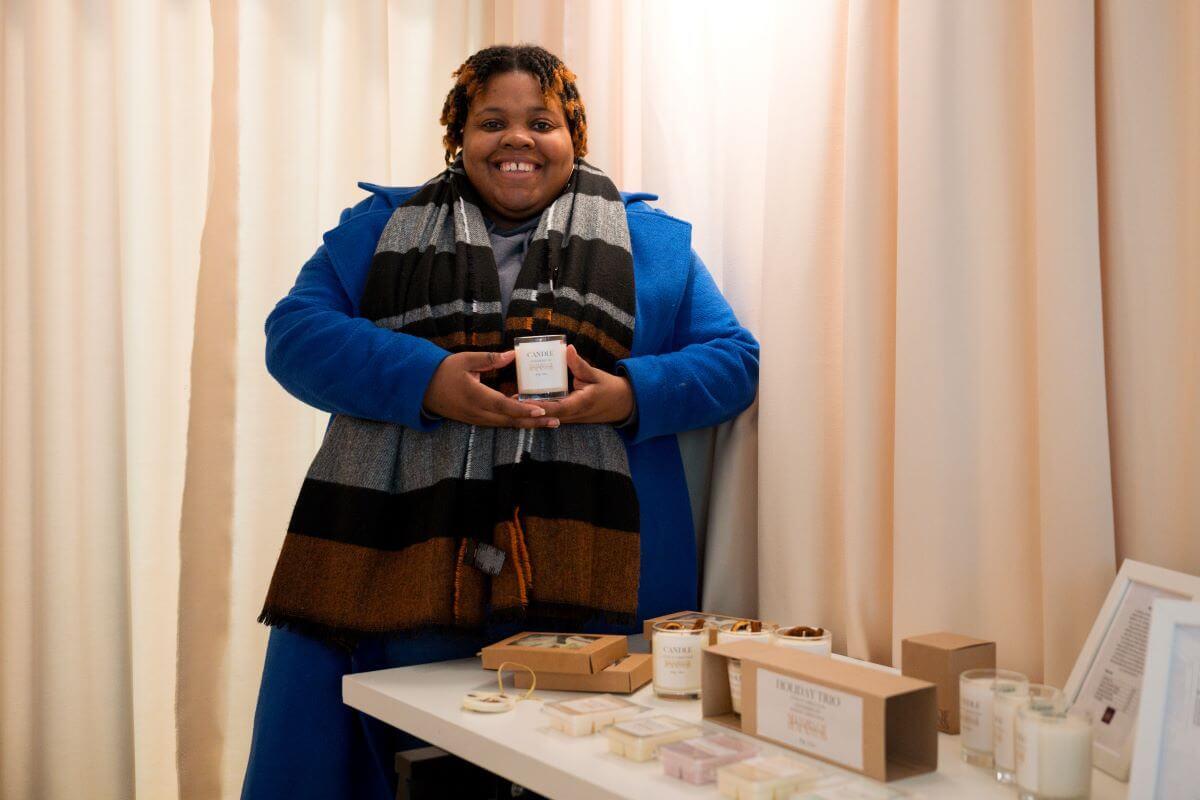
[441, 513]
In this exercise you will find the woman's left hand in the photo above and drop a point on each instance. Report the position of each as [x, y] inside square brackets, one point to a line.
[599, 396]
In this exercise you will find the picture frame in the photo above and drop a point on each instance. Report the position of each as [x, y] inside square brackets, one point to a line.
[1107, 677]
[1168, 724]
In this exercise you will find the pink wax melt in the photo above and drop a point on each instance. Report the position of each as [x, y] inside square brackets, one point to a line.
[696, 760]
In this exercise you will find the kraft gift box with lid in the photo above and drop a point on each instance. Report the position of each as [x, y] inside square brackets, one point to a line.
[873, 722]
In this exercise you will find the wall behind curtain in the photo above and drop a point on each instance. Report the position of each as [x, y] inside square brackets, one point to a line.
[961, 232]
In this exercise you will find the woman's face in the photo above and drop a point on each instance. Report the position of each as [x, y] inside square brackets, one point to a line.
[517, 152]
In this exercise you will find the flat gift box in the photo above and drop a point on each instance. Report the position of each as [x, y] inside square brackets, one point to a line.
[639, 739]
[624, 676]
[712, 621]
[940, 658]
[872, 722]
[567, 653]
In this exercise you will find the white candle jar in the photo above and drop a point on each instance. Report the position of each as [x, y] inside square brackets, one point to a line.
[731, 632]
[818, 641]
[541, 367]
[1054, 754]
[975, 702]
[1007, 698]
[677, 659]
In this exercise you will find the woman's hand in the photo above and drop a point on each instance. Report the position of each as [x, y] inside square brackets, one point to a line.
[599, 396]
[455, 392]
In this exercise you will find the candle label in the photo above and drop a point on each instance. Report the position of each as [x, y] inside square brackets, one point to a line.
[810, 717]
[676, 661]
[542, 367]
[975, 715]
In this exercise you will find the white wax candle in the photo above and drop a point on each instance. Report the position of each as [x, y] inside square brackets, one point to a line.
[735, 665]
[817, 645]
[1007, 699]
[1054, 755]
[677, 660]
[975, 715]
[541, 366]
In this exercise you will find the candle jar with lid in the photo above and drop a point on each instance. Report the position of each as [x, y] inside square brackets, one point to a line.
[676, 650]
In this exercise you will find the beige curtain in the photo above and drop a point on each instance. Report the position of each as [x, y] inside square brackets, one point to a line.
[964, 232]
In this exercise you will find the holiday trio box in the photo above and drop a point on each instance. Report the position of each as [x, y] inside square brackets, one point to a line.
[873, 722]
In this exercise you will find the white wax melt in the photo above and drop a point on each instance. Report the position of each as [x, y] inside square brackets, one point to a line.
[639, 739]
[845, 787]
[764, 778]
[590, 714]
[696, 760]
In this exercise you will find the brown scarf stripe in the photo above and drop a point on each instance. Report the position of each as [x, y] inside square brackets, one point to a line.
[379, 534]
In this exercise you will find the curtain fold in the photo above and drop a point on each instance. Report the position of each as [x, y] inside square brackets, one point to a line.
[963, 232]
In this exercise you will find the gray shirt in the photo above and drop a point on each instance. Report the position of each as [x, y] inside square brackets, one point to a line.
[509, 248]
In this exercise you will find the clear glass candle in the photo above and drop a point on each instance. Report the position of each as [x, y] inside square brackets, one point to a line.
[818, 641]
[1054, 754]
[975, 699]
[541, 366]
[1007, 697]
[741, 631]
[677, 659]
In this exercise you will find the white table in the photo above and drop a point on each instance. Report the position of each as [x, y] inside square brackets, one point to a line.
[425, 701]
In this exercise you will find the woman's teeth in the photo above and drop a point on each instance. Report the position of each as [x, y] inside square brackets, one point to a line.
[516, 166]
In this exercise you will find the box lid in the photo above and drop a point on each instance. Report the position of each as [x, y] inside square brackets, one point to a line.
[947, 641]
[838, 674]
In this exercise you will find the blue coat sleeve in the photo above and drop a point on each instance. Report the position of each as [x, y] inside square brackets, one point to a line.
[710, 373]
[324, 355]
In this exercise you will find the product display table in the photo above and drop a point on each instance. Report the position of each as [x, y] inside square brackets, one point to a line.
[425, 700]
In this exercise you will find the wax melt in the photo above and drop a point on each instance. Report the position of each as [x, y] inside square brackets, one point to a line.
[845, 787]
[696, 760]
[589, 715]
[639, 739]
[764, 778]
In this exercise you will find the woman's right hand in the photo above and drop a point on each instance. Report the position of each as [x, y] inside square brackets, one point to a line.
[456, 392]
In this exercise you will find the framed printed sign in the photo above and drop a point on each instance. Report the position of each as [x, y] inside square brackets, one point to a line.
[1107, 677]
[1166, 755]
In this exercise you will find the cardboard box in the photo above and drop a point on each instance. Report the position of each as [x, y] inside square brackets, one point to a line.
[876, 723]
[686, 618]
[623, 676]
[940, 658]
[569, 653]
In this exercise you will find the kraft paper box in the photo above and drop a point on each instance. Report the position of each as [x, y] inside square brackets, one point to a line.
[877, 723]
[940, 658]
[686, 618]
[623, 676]
[569, 653]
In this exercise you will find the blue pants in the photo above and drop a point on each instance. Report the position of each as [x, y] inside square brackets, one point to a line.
[306, 743]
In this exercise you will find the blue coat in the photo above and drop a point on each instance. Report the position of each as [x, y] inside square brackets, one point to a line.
[692, 365]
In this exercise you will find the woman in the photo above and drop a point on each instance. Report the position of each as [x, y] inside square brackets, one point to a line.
[441, 512]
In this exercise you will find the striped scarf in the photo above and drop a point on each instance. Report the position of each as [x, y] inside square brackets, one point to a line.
[397, 529]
